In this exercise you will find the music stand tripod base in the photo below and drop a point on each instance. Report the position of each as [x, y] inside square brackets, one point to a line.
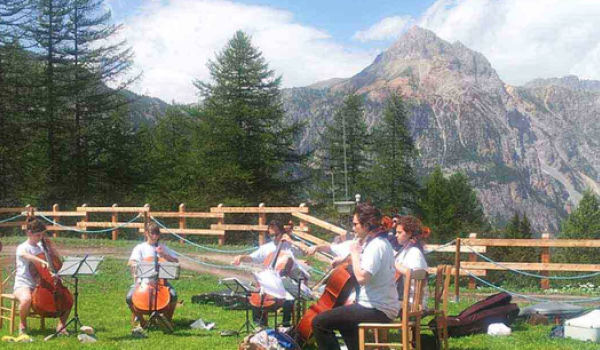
[73, 267]
[237, 287]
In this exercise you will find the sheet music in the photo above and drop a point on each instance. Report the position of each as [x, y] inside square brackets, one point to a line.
[89, 266]
[166, 270]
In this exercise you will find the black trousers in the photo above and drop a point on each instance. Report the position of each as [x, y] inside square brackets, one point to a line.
[344, 319]
[260, 318]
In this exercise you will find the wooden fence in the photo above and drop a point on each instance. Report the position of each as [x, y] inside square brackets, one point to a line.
[544, 267]
[112, 215]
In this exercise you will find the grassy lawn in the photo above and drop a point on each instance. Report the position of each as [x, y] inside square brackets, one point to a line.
[102, 305]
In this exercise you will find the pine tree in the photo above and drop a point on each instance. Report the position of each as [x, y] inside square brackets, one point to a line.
[246, 126]
[345, 149]
[93, 63]
[392, 174]
[450, 207]
[582, 223]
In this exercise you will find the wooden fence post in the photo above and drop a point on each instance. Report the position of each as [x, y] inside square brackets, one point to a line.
[85, 219]
[457, 274]
[303, 226]
[262, 220]
[221, 221]
[182, 222]
[146, 217]
[56, 219]
[115, 220]
[472, 257]
[545, 259]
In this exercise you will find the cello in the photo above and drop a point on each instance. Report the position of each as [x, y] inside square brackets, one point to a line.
[50, 298]
[152, 295]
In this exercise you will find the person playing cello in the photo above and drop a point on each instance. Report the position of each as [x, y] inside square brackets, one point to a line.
[377, 299]
[25, 282]
[410, 234]
[277, 233]
[143, 252]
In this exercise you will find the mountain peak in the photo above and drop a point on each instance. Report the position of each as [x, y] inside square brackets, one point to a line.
[420, 53]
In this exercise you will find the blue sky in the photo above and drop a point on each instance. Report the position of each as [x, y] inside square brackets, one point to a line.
[308, 40]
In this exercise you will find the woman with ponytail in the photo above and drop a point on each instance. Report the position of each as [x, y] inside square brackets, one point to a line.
[411, 234]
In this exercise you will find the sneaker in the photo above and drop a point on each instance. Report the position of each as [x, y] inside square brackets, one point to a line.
[138, 332]
[23, 338]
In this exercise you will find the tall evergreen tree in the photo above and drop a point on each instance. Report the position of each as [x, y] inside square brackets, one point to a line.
[582, 223]
[93, 63]
[393, 176]
[246, 124]
[449, 206]
[345, 149]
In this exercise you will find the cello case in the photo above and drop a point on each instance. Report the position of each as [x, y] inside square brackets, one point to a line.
[476, 318]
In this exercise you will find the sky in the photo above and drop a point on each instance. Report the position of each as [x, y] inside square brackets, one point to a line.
[307, 41]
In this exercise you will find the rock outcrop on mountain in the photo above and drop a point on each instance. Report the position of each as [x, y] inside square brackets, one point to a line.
[532, 149]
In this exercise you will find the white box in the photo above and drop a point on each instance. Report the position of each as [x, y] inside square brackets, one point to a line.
[586, 327]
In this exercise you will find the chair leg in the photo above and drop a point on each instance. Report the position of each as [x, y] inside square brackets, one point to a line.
[418, 333]
[405, 340]
[42, 323]
[13, 311]
[361, 338]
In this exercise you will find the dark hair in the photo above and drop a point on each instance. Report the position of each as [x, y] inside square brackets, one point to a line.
[35, 225]
[153, 228]
[276, 225]
[368, 215]
[415, 230]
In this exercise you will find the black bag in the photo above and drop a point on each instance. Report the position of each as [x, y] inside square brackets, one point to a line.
[429, 342]
[477, 317]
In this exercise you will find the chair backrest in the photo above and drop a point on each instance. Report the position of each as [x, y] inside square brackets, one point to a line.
[417, 279]
[443, 277]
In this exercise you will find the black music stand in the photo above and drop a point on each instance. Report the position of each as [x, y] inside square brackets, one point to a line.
[154, 271]
[73, 267]
[238, 288]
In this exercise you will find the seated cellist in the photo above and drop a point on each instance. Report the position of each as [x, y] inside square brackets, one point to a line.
[145, 251]
[25, 282]
[277, 233]
[377, 299]
[410, 234]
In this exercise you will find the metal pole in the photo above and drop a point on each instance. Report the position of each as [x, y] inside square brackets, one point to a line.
[345, 162]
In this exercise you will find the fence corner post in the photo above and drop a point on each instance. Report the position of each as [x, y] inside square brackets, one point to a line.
[146, 216]
[457, 272]
[262, 221]
[56, 219]
[115, 221]
[545, 259]
[472, 258]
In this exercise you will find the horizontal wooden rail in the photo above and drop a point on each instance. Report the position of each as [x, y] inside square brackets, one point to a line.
[57, 213]
[531, 266]
[18, 210]
[110, 224]
[236, 227]
[536, 243]
[259, 210]
[61, 228]
[452, 249]
[190, 231]
[114, 209]
[478, 273]
[320, 223]
[168, 214]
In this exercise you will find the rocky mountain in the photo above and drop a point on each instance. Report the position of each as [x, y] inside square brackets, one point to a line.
[532, 149]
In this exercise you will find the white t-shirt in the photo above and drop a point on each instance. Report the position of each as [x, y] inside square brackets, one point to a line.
[380, 293]
[261, 254]
[145, 250]
[413, 258]
[23, 276]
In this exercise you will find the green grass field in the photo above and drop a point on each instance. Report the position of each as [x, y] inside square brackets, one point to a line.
[102, 306]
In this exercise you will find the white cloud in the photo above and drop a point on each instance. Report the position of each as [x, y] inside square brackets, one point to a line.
[386, 29]
[524, 39]
[174, 39]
